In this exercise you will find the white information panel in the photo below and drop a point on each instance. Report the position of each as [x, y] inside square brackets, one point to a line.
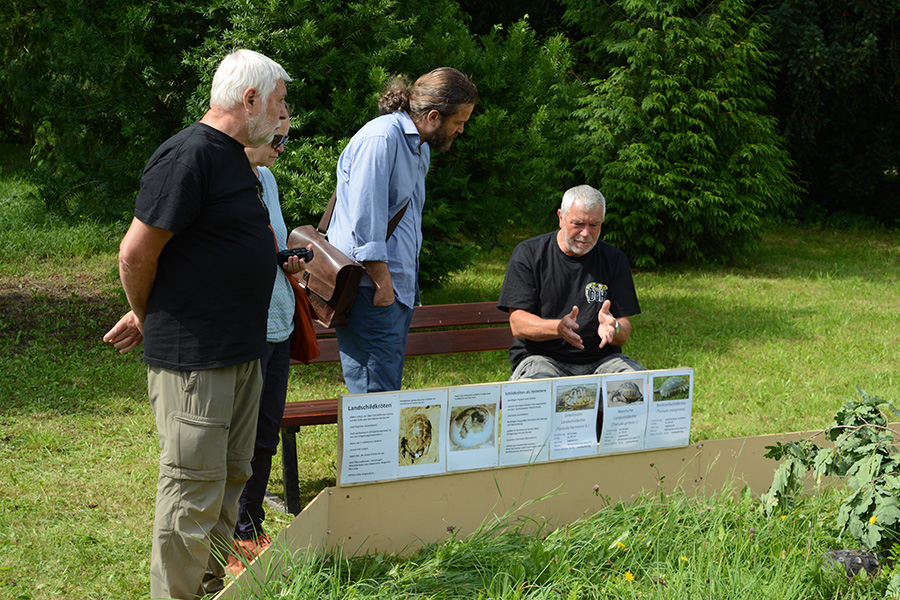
[370, 429]
[420, 450]
[525, 426]
[574, 425]
[669, 418]
[624, 412]
[473, 432]
[418, 433]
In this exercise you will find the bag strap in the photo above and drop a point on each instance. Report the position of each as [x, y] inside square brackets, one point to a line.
[326, 217]
[329, 210]
[392, 224]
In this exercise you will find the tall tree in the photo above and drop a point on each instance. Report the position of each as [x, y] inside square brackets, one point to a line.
[677, 134]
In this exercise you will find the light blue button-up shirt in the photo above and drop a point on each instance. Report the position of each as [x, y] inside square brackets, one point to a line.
[381, 169]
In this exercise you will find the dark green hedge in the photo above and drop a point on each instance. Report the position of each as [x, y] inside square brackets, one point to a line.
[696, 119]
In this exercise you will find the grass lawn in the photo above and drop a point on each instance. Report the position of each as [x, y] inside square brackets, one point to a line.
[777, 343]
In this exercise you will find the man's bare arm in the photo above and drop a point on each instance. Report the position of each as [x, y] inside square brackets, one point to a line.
[529, 326]
[138, 260]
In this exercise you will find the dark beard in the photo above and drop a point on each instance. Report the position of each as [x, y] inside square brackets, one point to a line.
[439, 141]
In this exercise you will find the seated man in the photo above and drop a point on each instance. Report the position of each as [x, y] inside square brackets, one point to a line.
[569, 297]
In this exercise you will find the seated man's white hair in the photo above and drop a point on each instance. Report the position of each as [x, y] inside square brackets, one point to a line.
[588, 197]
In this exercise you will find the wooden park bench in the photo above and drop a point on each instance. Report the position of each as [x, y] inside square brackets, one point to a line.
[435, 329]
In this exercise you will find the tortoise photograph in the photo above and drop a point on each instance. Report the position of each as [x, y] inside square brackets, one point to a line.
[622, 393]
[576, 397]
[419, 427]
[676, 387]
[472, 427]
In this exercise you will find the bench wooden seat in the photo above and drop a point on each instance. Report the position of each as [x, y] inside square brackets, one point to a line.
[435, 329]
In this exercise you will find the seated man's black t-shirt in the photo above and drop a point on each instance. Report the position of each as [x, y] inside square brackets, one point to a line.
[210, 299]
[545, 281]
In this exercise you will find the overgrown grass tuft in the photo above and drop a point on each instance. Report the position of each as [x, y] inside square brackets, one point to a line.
[654, 547]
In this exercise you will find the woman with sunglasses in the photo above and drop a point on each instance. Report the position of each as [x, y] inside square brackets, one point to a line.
[250, 539]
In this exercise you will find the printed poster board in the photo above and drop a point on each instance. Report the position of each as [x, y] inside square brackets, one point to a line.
[429, 432]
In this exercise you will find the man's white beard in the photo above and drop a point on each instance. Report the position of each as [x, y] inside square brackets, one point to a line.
[259, 138]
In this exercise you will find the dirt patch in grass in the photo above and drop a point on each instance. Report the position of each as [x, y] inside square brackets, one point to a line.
[67, 308]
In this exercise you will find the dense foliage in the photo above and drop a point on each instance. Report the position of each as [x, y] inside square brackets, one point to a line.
[668, 107]
[97, 85]
[123, 78]
[682, 145]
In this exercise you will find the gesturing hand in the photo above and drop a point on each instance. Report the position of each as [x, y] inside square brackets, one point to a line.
[566, 329]
[607, 325]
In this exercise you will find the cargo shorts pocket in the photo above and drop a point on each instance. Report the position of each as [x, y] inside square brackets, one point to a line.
[197, 448]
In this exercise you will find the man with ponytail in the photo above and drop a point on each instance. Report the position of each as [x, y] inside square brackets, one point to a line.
[380, 175]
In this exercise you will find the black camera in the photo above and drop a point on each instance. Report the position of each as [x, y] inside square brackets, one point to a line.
[303, 253]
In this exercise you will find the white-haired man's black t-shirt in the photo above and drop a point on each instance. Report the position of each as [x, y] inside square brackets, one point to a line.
[210, 299]
[546, 282]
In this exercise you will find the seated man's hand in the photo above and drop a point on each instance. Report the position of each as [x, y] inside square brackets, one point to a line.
[607, 327]
[127, 334]
[566, 329]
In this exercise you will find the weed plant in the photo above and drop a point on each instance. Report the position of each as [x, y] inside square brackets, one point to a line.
[864, 455]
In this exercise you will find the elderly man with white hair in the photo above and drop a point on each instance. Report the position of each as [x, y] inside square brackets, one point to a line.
[197, 265]
[570, 297]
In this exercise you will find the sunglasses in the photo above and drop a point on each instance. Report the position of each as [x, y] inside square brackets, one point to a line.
[279, 141]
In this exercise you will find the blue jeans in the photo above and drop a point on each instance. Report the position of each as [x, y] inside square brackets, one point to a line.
[274, 364]
[372, 344]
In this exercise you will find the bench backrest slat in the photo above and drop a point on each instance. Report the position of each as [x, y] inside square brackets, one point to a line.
[446, 315]
[458, 315]
[440, 316]
[423, 343]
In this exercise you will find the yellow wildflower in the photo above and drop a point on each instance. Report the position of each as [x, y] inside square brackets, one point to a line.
[620, 544]
[783, 517]
[872, 520]
[684, 558]
[629, 576]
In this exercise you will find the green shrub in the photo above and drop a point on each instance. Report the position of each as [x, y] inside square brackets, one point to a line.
[515, 158]
[677, 135]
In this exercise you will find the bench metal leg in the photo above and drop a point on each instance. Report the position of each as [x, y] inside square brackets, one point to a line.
[289, 469]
